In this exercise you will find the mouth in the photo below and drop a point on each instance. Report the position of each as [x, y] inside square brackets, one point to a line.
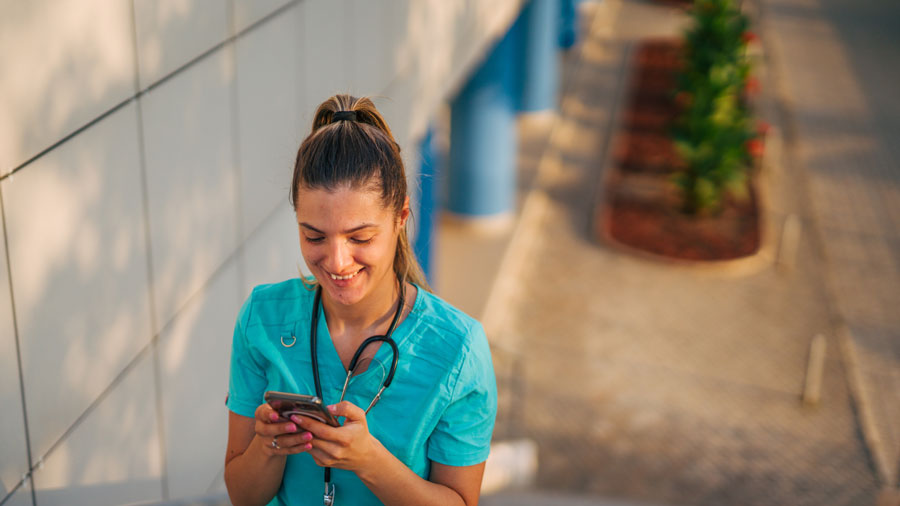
[344, 277]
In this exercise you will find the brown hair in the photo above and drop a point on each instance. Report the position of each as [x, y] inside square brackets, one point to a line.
[360, 152]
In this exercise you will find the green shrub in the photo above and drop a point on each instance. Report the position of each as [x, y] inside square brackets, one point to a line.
[714, 126]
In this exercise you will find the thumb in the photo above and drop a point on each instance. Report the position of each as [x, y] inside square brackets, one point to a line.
[348, 410]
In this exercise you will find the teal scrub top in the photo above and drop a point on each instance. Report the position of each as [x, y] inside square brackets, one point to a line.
[440, 406]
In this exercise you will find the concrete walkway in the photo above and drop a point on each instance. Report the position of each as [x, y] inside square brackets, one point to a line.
[837, 63]
[668, 385]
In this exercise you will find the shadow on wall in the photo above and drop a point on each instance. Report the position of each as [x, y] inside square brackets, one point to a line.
[78, 252]
[59, 75]
[79, 275]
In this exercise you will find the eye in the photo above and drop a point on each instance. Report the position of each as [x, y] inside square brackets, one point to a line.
[361, 240]
[314, 240]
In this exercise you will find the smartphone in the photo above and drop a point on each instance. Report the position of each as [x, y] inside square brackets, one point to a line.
[287, 404]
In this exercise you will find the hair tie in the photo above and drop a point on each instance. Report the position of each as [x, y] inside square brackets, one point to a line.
[343, 115]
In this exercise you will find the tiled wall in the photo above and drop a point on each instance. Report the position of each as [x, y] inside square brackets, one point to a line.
[145, 159]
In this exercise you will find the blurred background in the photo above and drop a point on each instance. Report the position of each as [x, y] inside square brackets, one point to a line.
[146, 150]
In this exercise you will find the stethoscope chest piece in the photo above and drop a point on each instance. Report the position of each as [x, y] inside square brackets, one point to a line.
[287, 342]
[328, 498]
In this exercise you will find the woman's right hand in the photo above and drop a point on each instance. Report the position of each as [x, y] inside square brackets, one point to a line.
[287, 436]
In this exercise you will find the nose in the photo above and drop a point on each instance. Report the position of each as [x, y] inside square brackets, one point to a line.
[340, 257]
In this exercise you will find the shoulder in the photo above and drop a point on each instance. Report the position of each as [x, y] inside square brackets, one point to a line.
[276, 303]
[435, 312]
[450, 332]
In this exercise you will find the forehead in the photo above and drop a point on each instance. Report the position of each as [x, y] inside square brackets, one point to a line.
[340, 208]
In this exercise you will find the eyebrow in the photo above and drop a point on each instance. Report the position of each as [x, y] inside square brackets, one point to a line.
[348, 231]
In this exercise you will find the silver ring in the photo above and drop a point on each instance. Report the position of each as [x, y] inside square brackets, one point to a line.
[275, 443]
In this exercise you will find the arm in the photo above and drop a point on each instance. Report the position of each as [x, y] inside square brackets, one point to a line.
[253, 468]
[352, 447]
[396, 485]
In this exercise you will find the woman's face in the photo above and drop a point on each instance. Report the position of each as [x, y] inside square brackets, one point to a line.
[348, 239]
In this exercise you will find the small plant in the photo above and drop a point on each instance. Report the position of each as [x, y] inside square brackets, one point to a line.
[714, 128]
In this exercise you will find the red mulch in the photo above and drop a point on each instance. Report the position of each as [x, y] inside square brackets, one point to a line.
[652, 221]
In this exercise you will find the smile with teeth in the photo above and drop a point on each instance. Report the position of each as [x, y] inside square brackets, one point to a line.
[348, 276]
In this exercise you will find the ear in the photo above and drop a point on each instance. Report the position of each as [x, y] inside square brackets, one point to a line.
[404, 212]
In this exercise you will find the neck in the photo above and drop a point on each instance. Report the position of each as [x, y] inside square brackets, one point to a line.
[374, 312]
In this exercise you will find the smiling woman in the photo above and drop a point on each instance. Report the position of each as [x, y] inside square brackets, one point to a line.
[348, 239]
[426, 437]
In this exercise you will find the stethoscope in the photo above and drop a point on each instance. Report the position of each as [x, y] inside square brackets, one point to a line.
[329, 487]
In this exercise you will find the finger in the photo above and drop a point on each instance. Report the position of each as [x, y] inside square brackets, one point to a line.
[265, 413]
[286, 444]
[283, 448]
[321, 457]
[332, 449]
[319, 430]
[294, 440]
[348, 410]
[275, 429]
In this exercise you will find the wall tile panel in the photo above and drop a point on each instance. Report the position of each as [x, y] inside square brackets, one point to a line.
[21, 497]
[171, 33]
[14, 463]
[191, 179]
[273, 254]
[270, 128]
[78, 261]
[113, 455]
[247, 12]
[368, 58]
[326, 63]
[64, 64]
[194, 362]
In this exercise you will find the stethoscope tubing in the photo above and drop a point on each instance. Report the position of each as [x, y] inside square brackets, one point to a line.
[386, 338]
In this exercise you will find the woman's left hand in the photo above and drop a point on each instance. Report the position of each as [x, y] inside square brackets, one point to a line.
[348, 447]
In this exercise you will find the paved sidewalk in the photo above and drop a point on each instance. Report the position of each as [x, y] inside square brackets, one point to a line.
[653, 383]
[838, 65]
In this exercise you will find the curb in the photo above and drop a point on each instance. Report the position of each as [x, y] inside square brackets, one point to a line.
[871, 431]
[762, 258]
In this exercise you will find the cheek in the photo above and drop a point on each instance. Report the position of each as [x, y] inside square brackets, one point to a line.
[376, 256]
[310, 254]
[385, 254]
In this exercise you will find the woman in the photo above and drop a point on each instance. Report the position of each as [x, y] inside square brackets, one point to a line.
[426, 439]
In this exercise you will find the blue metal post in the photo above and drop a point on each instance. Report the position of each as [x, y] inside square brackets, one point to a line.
[568, 24]
[481, 181]
[425, 218]
[539, 47]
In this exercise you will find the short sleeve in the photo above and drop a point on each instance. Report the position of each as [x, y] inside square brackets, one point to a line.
[462, 436]
[247, 380]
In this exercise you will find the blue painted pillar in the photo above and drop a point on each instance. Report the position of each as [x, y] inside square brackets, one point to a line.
[539, 53]
[428, 181]
[481, 180]
[568, 24]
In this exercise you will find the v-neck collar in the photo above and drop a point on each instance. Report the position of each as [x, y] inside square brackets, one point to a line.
[331, 369]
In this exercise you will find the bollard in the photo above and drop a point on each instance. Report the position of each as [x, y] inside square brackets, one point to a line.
[812, 389]
[790, 240]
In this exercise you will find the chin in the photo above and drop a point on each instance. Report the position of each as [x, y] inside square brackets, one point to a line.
[344, 298]
[345, 295]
